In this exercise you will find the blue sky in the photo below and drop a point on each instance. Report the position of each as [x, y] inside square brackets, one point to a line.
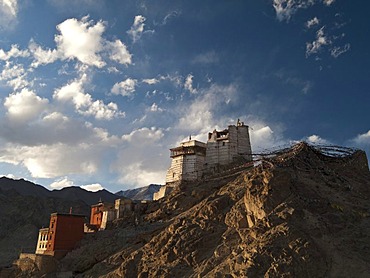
[93, 93]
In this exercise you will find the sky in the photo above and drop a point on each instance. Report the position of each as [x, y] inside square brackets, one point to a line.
[93, 93]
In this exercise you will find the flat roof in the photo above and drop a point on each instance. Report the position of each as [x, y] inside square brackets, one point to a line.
[66, 214]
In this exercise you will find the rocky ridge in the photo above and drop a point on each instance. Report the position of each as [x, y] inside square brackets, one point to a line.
[302, 212]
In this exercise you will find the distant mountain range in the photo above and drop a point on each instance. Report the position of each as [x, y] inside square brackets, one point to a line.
[74, 193]
[142, 193]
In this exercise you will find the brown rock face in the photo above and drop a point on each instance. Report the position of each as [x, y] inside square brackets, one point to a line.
[300, 213]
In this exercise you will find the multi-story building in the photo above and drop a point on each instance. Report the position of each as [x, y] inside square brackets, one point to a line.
[64, 231]
[193, 159]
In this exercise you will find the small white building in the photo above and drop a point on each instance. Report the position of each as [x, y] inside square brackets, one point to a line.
[187, 162]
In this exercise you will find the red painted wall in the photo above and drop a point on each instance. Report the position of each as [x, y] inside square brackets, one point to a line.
[96, 214]
[65, 230]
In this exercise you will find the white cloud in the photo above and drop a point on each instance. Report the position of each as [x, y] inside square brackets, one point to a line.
[8, 13]
[81, 40]
[316, 46]
[84, 103]
[315, 139]
[328, 2]
[199, 116]
[139, 175]
[93, 187]
[14, 75]
[362, 139]
[143, 135]
[312, 22]
[137, 28]
[24, 106]
[61, 183]
[42, 56]
[140, 161]
[337, 50]
[125, 88]
[54, 160]
[286, 8]
[150, 81]
[13, 52]
[118, 52]
[263, 137]
[155, 108]
[188, 85]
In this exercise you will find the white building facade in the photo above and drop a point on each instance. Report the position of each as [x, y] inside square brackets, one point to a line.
[192, 159]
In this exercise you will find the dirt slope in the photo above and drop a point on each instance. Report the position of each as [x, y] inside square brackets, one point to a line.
[300, 213]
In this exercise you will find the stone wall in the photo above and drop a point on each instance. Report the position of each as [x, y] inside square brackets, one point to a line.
[174, 173]
[31, 262]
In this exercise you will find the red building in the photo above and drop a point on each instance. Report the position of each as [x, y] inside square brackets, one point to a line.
[65, 230]
[97, 211]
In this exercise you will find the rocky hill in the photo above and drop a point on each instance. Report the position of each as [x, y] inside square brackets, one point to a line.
[301, 212]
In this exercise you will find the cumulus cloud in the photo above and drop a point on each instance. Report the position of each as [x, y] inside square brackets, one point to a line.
[93, 187]
[58, 156]
[362, 139]
[42, 56]
[139, 175]
[312, 22]
[143, 135]
[118, 52]
[84, 104]
[125, 88]
[14, 52]
[81, 40]
[199, 115]
[24, 106]
[137, 28]
[15, 75]
[316, 46]
[140, 162]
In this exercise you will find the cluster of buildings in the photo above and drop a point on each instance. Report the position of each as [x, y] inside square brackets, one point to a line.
[66, 229]
[193, 159]
[190, 161]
